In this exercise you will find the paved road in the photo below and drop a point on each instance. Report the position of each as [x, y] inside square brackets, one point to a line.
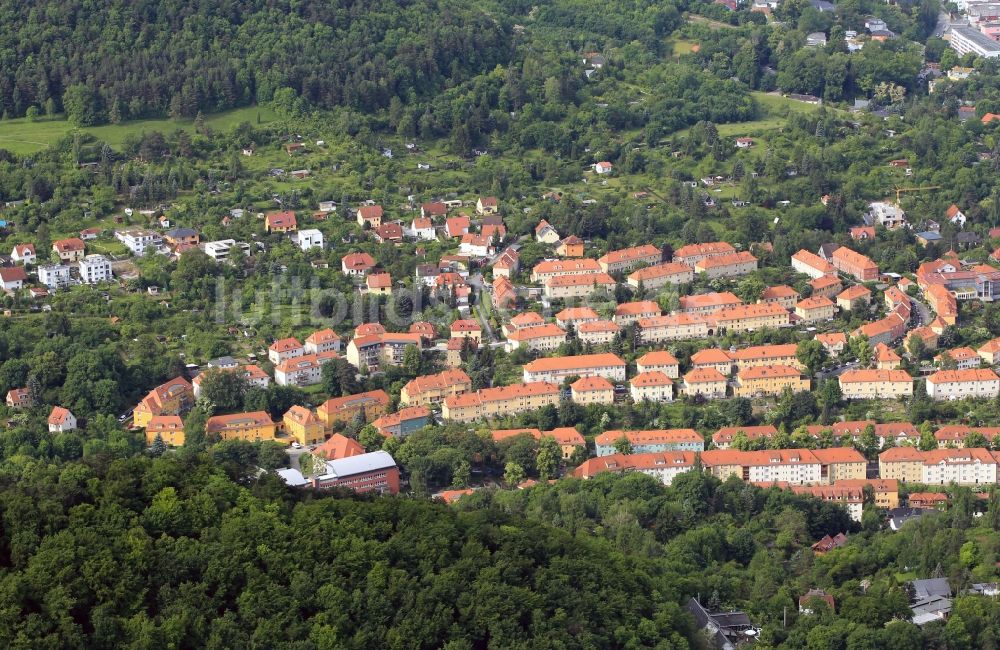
[823, 375]
[923, 313]
[944, 21]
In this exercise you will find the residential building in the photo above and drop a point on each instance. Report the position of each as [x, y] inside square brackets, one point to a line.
[94, 269]
[965, 39]
[253, 426]
[226, 250]
[782, 295]
[571, 246]
[674, 327]
[309, 238]
[769, 380]
[767, 355]
[19, 398]
[403, 422]
[24, 253]
[651, 441]
[854, 264]
[812, 264]
[357, 264]
[654, 277]
[964, 358]
[175, 397]
[324, 340]
[959, 466]
[852, 498]
[885, 491]
[303, 425]
[380, 349]
[433, 389]
[422, 228]
[833, 342]
[888, 215]
[651, 386]
[691, 254]
[573, 316]
[69, 250]
[555, 369]
[629, 312]
[545, 233]
[577, 286]
[339, 411]
[659, 361]
[139, 241]
[487, 205]
[876, 384]
[592, 390]
[302, 370]
[706, 303]
[500, 401]
[792, 466]
[568, 438]
[507, 264]
[747, 318]
[548, 269]
[626, 259]
[904, 464]
[840, 463]
[597, 332]
[54, 276]
[283, 221]
[182, 237]
[960, 384]
[543, 338]
[456, 227]
[60, 420]
[706, 382]
[990, 351]
[285, 349]
[855, 297]
[370, 216]
[723, 438]
[433, 209]
[815, 309]
[727, 266]
[169, 429]
[663, 466]
[12, 278]
[886, 358]
[338, 446]
[953, 435]
[827, 286]
[713, 358]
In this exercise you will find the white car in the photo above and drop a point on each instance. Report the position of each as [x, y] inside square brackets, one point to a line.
[296, 445]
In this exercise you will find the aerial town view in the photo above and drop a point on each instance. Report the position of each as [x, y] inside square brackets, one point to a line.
[487, 324]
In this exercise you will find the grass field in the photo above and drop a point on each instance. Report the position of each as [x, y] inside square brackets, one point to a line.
[684, 47]
[22, 137]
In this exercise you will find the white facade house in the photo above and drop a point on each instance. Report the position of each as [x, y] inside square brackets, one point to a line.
[965, 39]
[94, 269]
[310, 238]
[304, 370]
[960, 384]
[795, 470]
[225, 250]
[54, 276]
[652, 386]
[24, 253]
[960, 466]
[139, 241]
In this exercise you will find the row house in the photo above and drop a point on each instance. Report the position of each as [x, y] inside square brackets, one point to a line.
[747, 318]
[548, 269]
[432, 389]
[592, 390]
[542, 338]
[650, 441]
[653, 278]
[940, 466]
[943, 302]
[555, 369]
[876, 384]
[629, 312]
[403, 422]
[851, 498]
[254, 375]
[577, 286]
[574, 316]
[598, 332]
[659, 361]
[651, 386]
[884, 330]
[624, 260]
[895, 433]
[673, 328]
[769, 381]
[304, 370]
[783, 354]
[714, 358]
[342, 410]
[524, 320]
[792, 466]
[691, 254]
[827, 286]
[663, 466]
[500, 402]
[954, 435]
[706, 303]
[960, 384]
[840, 463]
[727, 266]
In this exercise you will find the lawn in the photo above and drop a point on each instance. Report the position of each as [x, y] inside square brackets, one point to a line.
[23, 137]
[684, 47]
